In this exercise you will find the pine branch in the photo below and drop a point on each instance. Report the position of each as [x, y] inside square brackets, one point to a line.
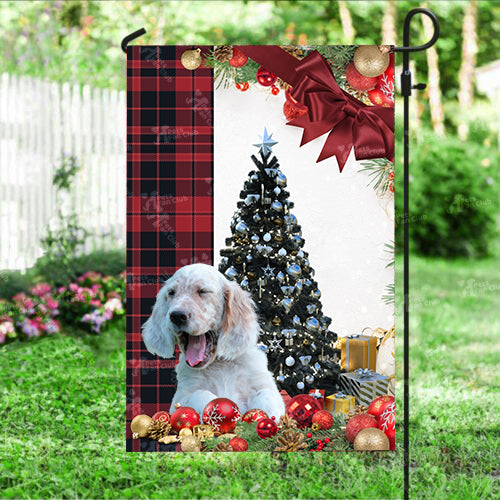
[378, 170]
[338, 441]
[389, 297]
[390, 249]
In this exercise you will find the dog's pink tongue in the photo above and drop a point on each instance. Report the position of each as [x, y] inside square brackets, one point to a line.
[195, 352]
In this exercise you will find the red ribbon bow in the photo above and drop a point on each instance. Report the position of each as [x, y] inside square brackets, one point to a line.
[370, 129]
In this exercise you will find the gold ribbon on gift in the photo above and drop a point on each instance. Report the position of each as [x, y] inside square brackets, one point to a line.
[358, 351]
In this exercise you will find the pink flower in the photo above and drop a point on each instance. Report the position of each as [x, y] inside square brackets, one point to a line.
[95, 302]
[73, 287]
[42, 308]
[113, 304]
[40, 289]
[30, 328]
[51, 326]
[6, 327]
[19, 297]
[52, 304]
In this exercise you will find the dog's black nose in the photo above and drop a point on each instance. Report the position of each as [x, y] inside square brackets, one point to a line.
[179, 318]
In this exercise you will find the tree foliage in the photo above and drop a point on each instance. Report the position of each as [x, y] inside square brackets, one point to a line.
[80, 40]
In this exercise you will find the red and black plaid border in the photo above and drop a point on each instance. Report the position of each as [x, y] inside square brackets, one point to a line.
[169, 204]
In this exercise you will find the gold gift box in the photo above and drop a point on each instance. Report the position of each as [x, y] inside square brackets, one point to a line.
[341, 404]
[358, 351]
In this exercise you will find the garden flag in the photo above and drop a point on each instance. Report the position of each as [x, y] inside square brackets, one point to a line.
[260, 241]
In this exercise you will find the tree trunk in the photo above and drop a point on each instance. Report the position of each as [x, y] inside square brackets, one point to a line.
[346, 20]
[389, 34]
[436, 106]
[466, 75]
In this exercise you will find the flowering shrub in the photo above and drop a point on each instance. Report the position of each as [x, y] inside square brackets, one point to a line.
[92, 302]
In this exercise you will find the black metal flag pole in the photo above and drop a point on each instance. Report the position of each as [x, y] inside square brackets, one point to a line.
[406, 88]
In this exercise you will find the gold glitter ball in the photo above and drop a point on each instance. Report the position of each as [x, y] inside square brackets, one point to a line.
[371, 439]
[140, 426]
[190, 443]
[369, 61]
[191, 59]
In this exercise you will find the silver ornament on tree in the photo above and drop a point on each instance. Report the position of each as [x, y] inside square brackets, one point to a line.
[276, 205]
[287, 304]
[289, 361]
[312, 324]
[294, 270]
[241, 227]
[231, 273]
[305, 360]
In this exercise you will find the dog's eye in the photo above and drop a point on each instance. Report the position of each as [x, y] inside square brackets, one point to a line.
[203, 292]
[171, 293]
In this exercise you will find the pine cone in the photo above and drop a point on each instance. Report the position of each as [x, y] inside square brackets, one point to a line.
[285, 422]
[158, 429]
[223, 53]
[293, 51]
[357, 410]
[291, 441]
[283, 85]
[223, 447]
[358, 94]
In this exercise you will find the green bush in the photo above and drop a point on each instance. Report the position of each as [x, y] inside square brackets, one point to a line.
[12, 282]
[453, 197]
[108, 262]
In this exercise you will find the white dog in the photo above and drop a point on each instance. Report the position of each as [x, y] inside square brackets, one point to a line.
[215, 326]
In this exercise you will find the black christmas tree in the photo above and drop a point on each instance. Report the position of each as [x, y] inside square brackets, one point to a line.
[265, 256]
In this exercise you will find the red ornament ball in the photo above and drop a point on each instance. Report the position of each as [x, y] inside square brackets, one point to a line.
[324, 418]
[358, 423]
[265, 78]
[183, 417]
[387, 424]
[292, 108]
[275, 90]
[309, 435]
[238, 444]
[239, 59]
[379, 405]
[222, 414]
[254, 415]
[302, 408]
[358, 81]
[378, 97]
[266, 428]
[162, 416]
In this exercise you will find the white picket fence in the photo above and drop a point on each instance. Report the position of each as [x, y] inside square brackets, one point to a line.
[40, 121]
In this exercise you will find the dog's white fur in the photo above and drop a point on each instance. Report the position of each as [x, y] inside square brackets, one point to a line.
[239, 369]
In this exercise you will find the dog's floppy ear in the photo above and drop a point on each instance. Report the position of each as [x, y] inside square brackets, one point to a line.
[240, 328]
[158, 339]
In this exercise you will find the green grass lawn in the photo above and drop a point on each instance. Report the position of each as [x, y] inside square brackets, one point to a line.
[63, 414]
